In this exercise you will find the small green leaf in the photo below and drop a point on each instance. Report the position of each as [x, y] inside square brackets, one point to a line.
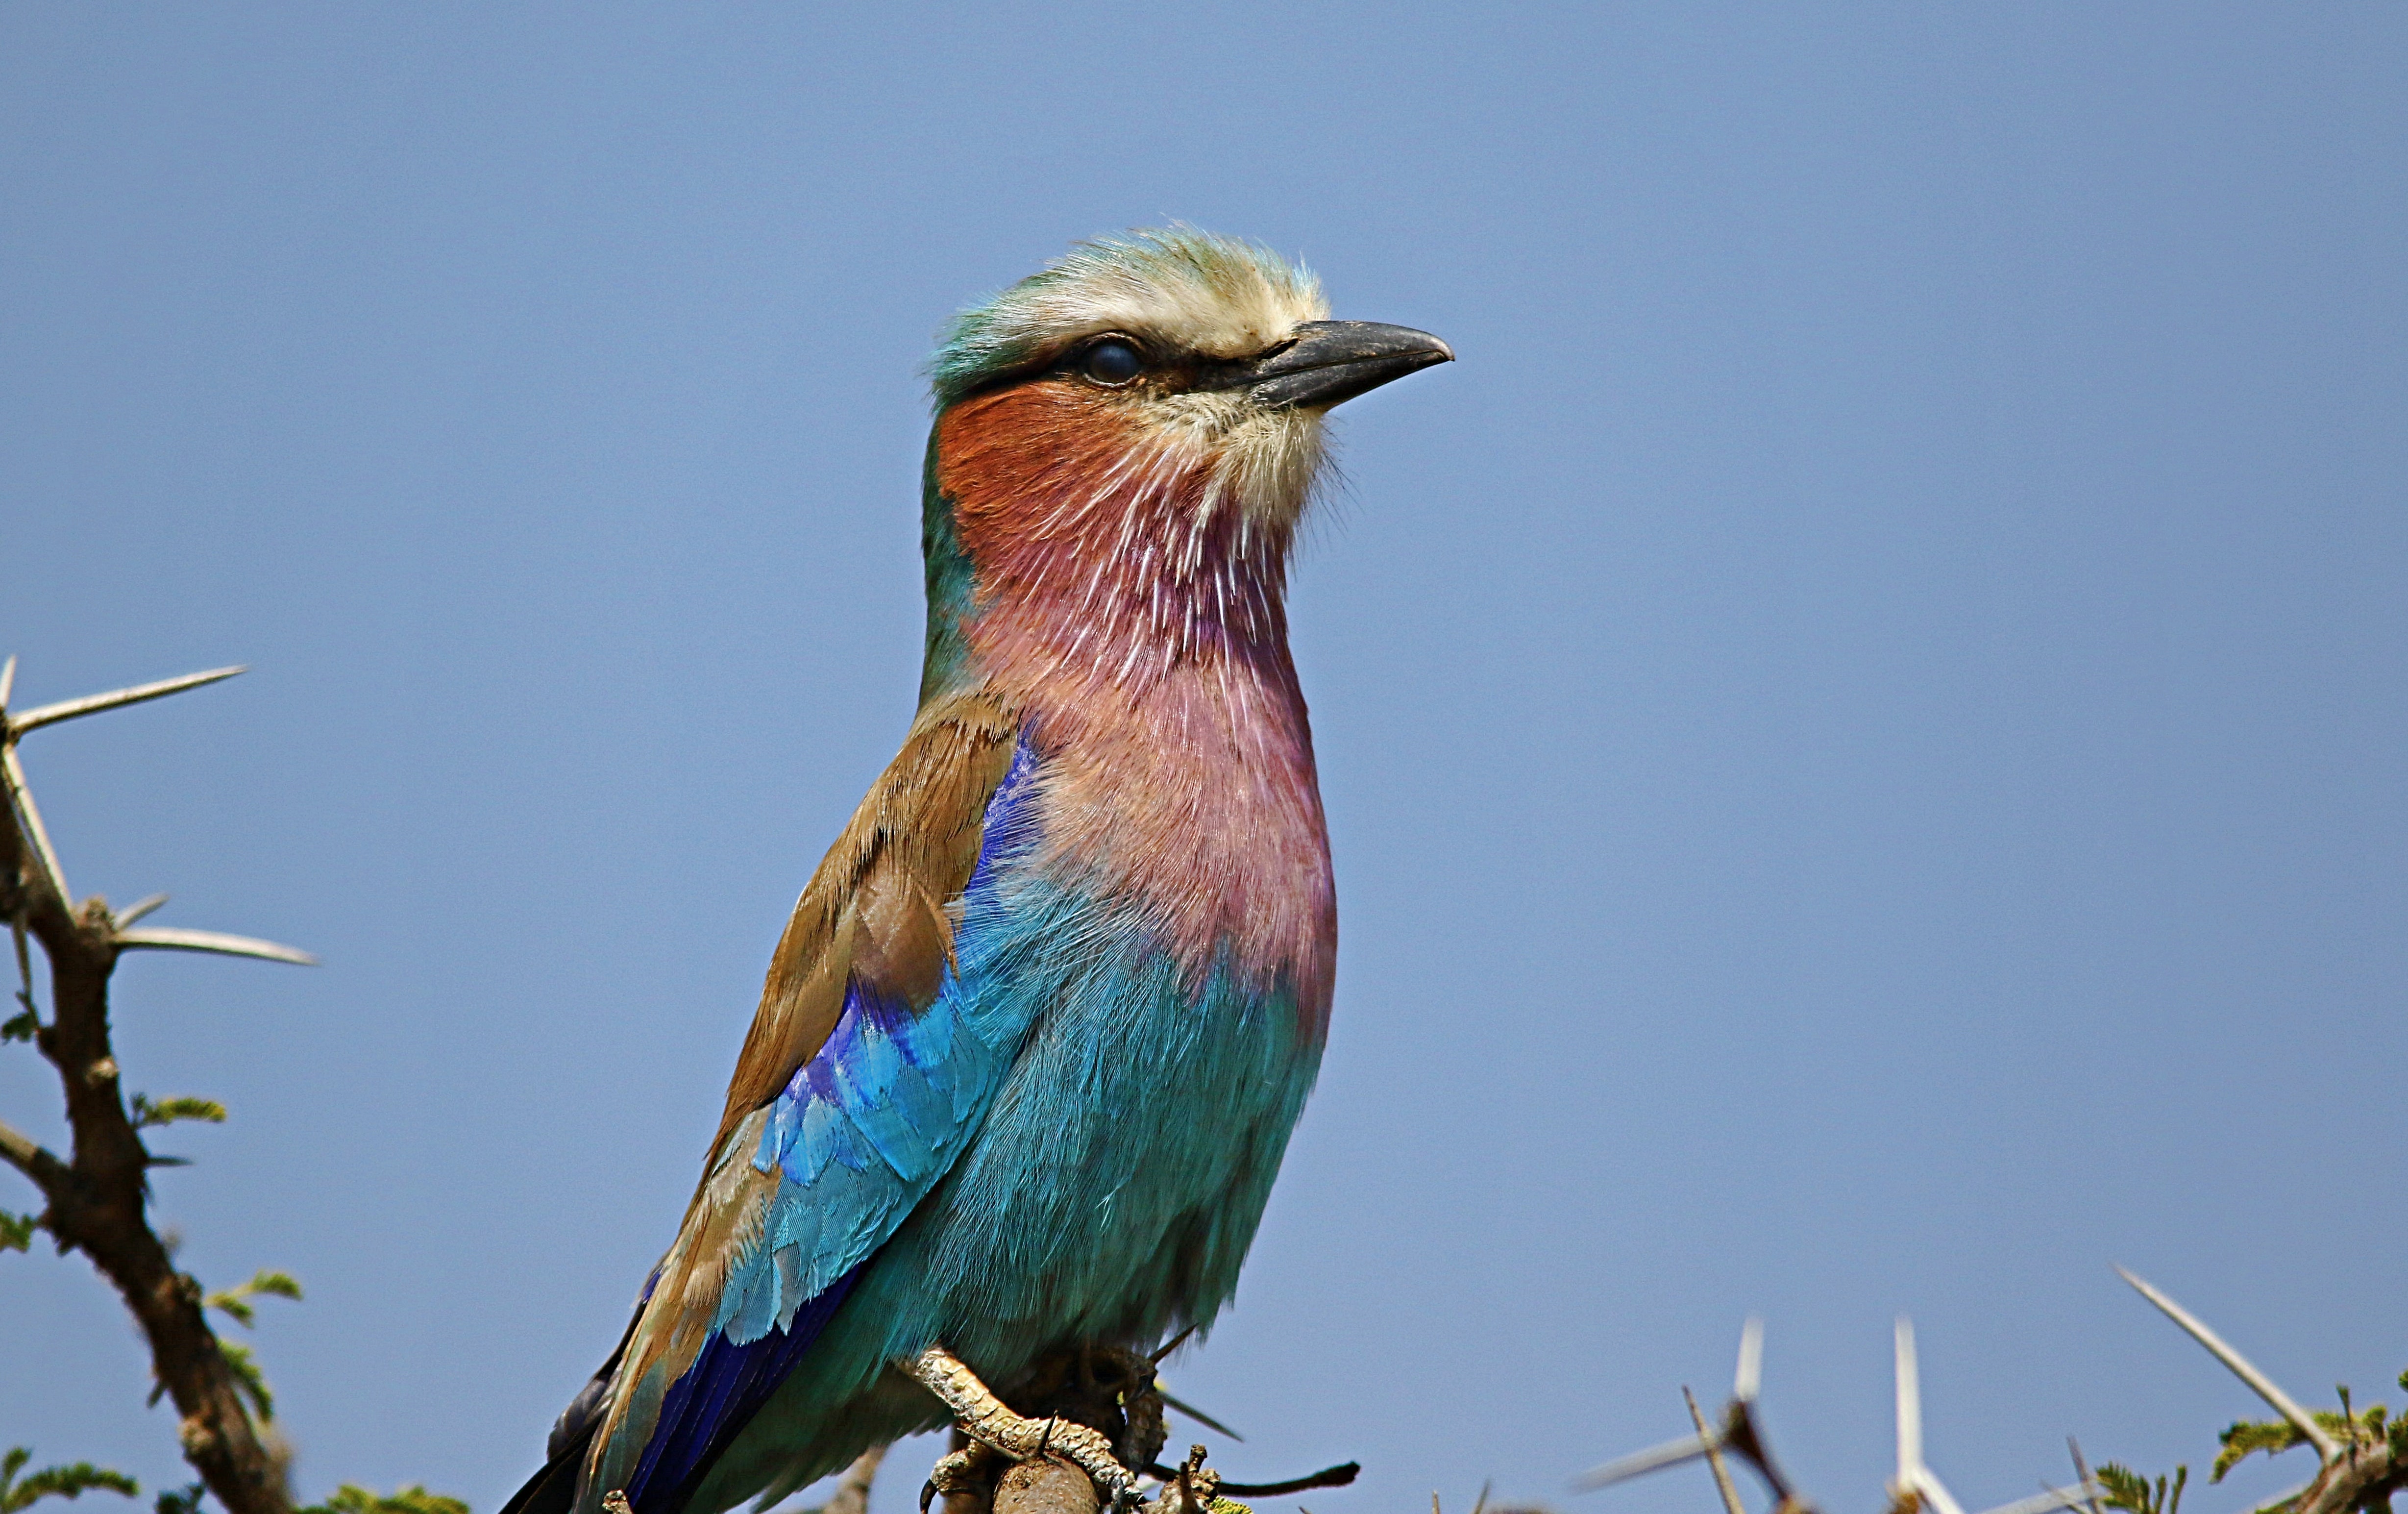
[2246, 1437]
[247, 1378]
[169, 1111]
[183, 1500]
[351, 1498]
[17, 1230]
[19, 1026]
[55, 1481]
[2129, 1490]
[2126, 1490]
[235, 1301]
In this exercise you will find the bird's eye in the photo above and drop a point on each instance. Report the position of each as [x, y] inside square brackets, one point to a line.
[1114, 363]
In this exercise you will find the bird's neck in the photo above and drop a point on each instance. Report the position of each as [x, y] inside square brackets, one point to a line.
[1139, 624]
[1089, 558]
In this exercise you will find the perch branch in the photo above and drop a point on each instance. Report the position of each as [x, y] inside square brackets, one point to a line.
[988, 1421]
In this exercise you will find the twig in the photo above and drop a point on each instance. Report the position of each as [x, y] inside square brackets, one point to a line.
[28, 1156]
[2264, 1386]
[1714, 1457]
[2082, 1473]
[1328, 1477]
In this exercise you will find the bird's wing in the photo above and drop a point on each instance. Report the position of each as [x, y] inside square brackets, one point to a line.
[865, 1074]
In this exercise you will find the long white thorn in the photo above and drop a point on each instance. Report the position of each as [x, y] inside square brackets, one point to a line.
[1914, 1476]
[2242, 1368]
[1750, 1375]
[7, 681]
[139, 908]
[1199, 1416]
[13, 776]
[1935, 1493]
[1910, 1404]
[2050, 1499]
[161, 939]
[1638, 1463]
[92, 704]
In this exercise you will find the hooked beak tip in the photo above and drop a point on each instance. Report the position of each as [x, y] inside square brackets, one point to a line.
[1330, 362]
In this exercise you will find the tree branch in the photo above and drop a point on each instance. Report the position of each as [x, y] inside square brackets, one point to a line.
[98, 1197]
[2363, 1478]
[25, 1154]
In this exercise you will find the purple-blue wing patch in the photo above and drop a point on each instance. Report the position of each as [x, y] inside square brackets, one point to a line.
[858, 1136]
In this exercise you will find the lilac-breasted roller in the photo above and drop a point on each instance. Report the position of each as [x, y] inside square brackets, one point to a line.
[1032, 1044]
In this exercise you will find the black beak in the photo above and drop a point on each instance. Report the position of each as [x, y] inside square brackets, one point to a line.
[1330, 362]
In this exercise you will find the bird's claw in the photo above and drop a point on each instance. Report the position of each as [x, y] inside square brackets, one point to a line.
[989, 1422]
[961, 1471]
[1029, 1441]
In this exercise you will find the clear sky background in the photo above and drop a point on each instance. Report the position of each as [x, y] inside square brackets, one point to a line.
[1862, 721]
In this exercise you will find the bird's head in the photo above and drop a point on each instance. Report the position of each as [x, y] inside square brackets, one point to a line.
[1126, 441]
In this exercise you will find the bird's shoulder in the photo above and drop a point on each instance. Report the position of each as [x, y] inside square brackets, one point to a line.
[876, 912]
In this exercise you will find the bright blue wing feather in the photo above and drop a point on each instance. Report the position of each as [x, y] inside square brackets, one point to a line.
[858, 1136]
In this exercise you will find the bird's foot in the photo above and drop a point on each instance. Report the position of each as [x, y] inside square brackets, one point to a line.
[990, 1425]
[964, 1479]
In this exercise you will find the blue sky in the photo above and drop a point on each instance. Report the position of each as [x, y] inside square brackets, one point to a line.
[1861, 722]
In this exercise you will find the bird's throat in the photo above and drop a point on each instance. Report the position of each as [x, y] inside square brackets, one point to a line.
[1097, 545]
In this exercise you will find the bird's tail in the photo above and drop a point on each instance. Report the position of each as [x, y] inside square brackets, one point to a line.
[553, 1490]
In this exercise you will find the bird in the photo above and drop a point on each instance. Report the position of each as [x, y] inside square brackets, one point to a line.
[1031, 1045]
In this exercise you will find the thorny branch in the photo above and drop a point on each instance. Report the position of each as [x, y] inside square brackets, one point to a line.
[96, 1196]
[2364, 1454]
[2363, 1461]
